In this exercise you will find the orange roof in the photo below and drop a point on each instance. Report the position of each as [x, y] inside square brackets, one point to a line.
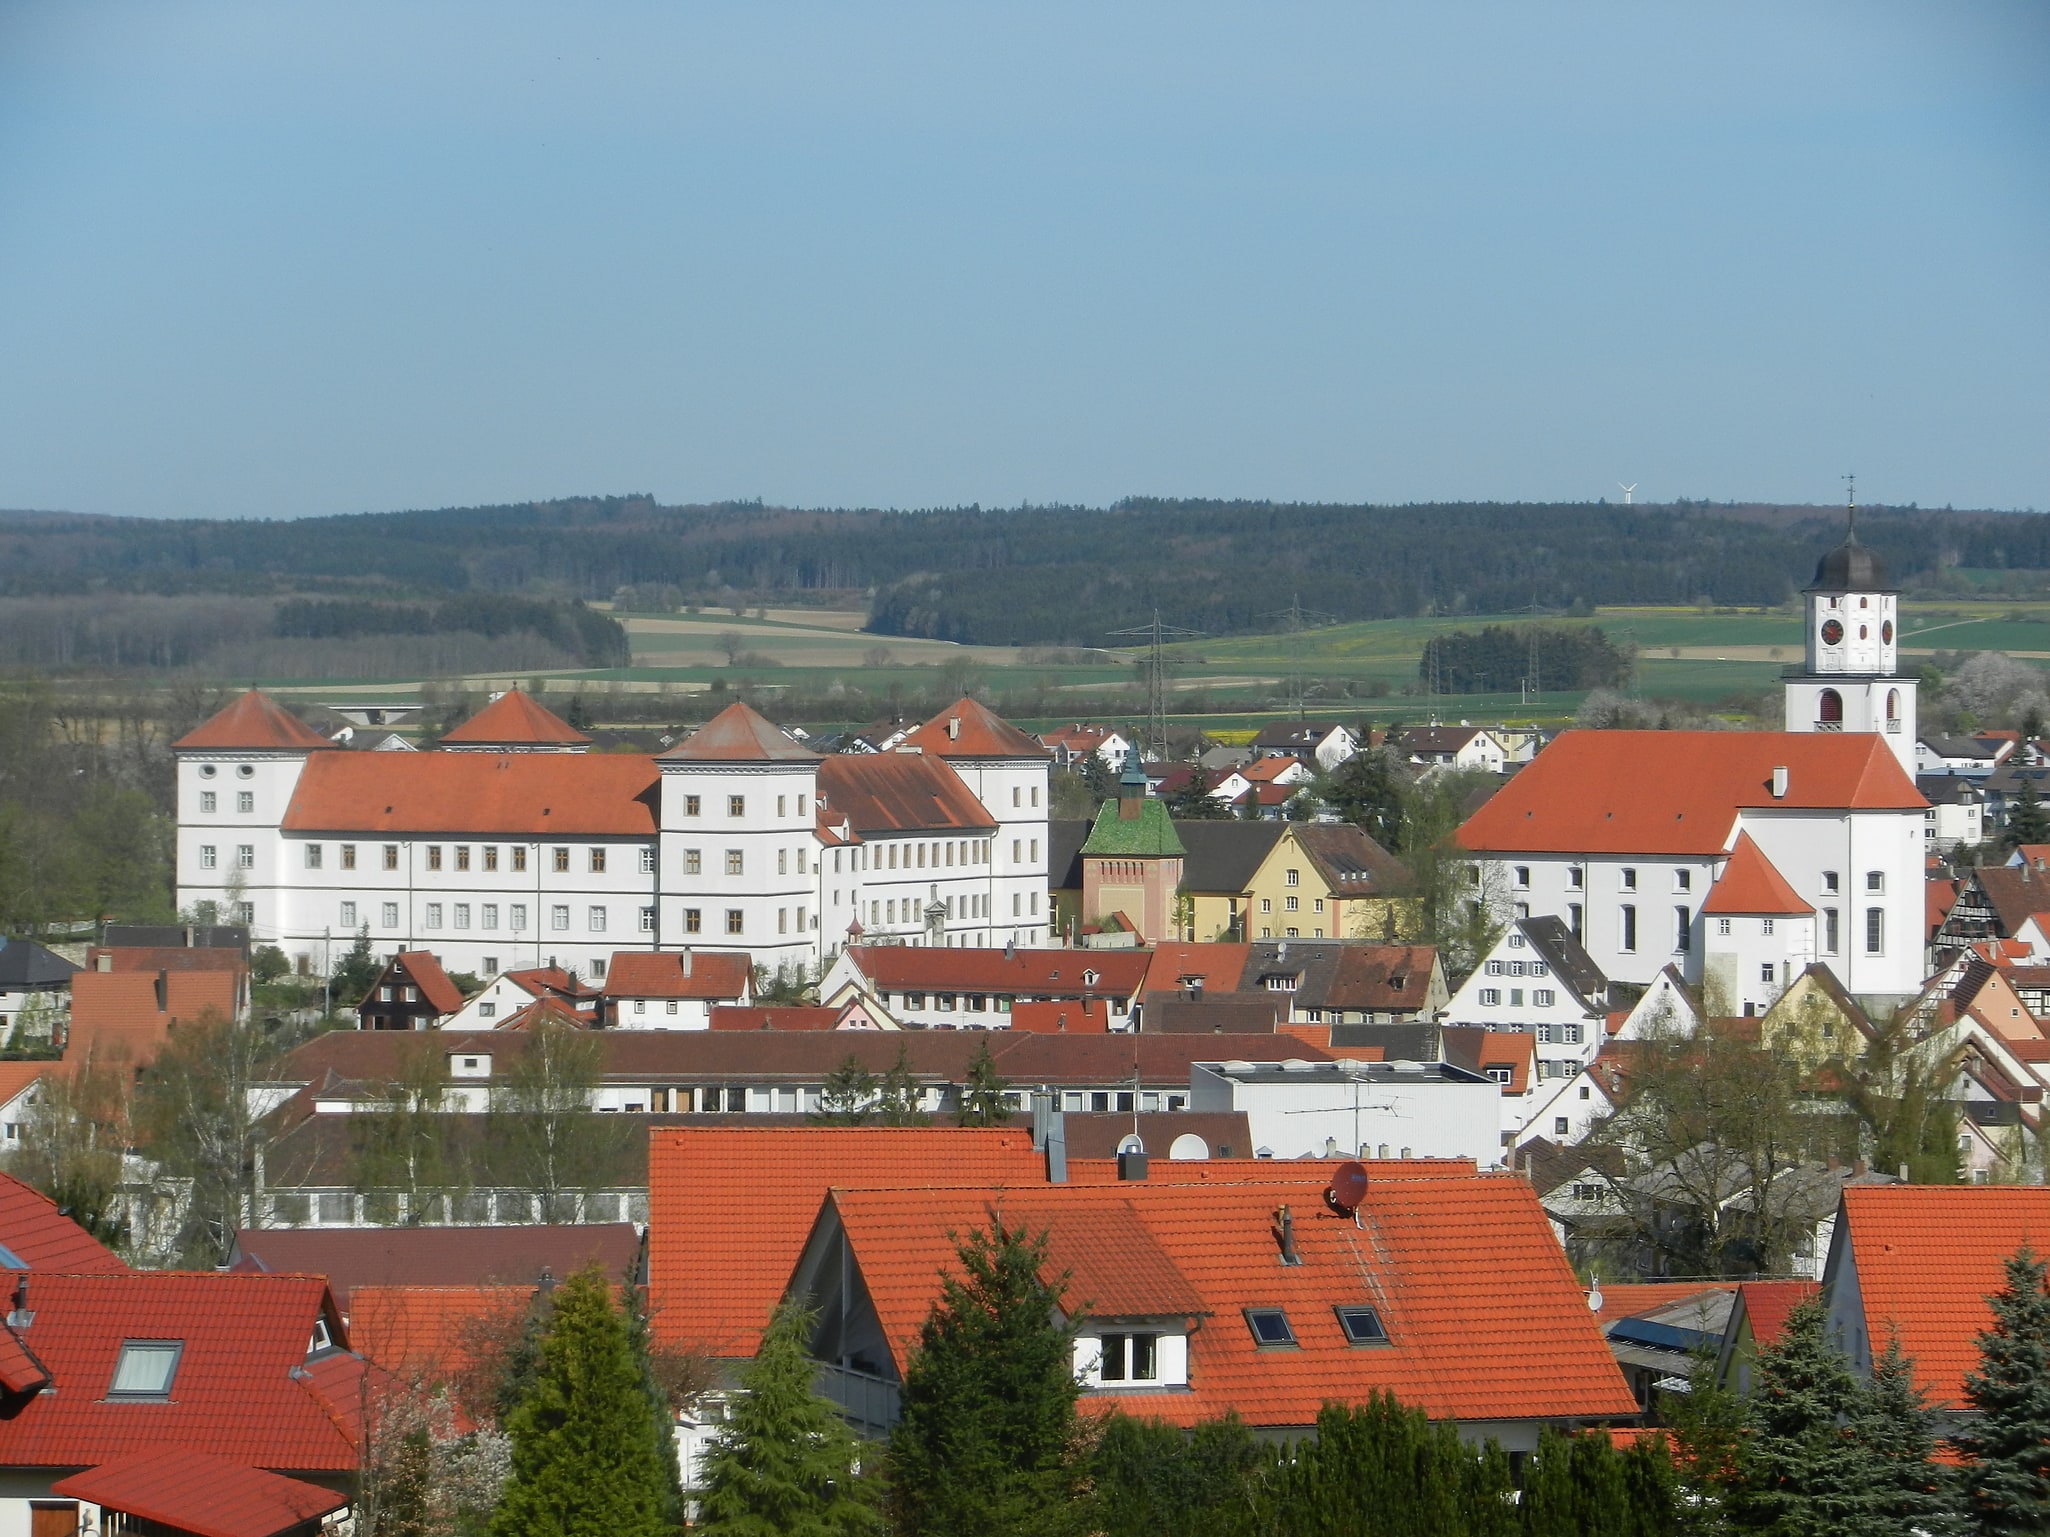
[1749, 884]
[891, 792]
[695, 974]
[1076, 1016]
[1679, 792]
[546, 1010]
[164, 958]
[729, 1208]
[1477, 1050]
[194, 1491]
[1766, 1305]
[113, 1010]
[432, 1334]
[1927, 1257]
[1260, 1171]
[529, 795]
[733, 1016]
[252, 722]
[40, 1237]
[1485, 1320]
[739, 734]
[967, 729]
[17, 1076]
[1059, 973]
[1218, 965]
[424, 970]
[1938, 898]
[1264, 770]
[513, 719]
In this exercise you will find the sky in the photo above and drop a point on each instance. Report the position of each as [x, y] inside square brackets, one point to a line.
[265, 260]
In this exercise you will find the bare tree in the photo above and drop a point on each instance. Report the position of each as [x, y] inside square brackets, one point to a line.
[545, 1136]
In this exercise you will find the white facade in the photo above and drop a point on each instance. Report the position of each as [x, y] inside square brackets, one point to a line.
[1749, 959]
[1851, 680]
[1515, 990]
[1365, 1109]
[737, 862]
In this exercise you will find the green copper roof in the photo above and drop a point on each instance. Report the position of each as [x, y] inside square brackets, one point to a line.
[1150, 833]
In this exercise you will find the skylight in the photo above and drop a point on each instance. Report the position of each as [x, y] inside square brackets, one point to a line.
[1362, 1326]
[1270, 1328]
[145, 1368]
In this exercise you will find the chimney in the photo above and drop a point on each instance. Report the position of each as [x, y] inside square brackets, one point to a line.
[103, 961]
[1284, 1236]
[1779, 783]
[20, 1317]
[686, 960]
[1132, 1165]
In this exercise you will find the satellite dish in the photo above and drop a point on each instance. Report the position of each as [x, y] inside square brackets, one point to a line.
[1131, 1144]
[1347, 1189]
[1187, 1148]
[1594, 1295]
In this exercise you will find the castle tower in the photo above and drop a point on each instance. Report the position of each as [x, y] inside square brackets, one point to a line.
[1850, 680]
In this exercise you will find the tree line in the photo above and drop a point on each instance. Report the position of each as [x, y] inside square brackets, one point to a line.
[592, 638]
[1501, 657]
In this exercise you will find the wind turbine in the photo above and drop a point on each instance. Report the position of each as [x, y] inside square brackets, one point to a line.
[1626, 490]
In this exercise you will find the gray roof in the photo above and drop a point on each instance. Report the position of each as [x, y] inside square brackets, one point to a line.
[1222, 856]
[24, 964]
[1948, 789]
[1064, 842]
[1415, 1041]
[1569, 962]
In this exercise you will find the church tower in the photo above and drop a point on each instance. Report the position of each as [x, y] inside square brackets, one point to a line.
[1851, 679]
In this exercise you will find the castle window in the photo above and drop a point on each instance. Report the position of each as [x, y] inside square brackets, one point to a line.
[245, 800]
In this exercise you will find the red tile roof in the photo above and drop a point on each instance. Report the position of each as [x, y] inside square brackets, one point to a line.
[235, 1392]
[164, 958]
[729, 1208]
[194, 1491]
[739, 734]
[114, 1011]
[1077, 1016]
[513, 719]
[1485, 1319]
[1749, 884]
[528, 795]
[355, 1258]
[966, 729]
[1161, 1170]
[1927, 1257]
[668, 974]
[1057, 973]
[1938, 898]
[1218, 965]
[1766, 1305]
[1477, 1050]
[730, 1016]
[1679, 792]
[40, 1237]
[433, 1334]
[880, 793]
[423, 969]
[252, 722]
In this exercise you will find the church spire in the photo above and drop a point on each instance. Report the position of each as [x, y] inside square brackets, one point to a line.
[1851, 509]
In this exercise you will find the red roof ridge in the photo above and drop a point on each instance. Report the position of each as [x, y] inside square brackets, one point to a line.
[967, 728]
[514, 719]
[1750, 885]
[254, 721]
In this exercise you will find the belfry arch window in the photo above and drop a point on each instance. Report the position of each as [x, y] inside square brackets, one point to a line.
[1893, 704]
[1829, 709]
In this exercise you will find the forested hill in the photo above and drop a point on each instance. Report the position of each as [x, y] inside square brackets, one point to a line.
[1033, 575]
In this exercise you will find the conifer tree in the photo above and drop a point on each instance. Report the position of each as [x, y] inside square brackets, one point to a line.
[986, 1439]
[847, 1097]
[2027, 821]
[1896, 1433]
[898, 1094]
[984, 1094]
[2006, 1477]
[785, 1464]
[1148, 1477]
[586, 1448]
[1803, 1472]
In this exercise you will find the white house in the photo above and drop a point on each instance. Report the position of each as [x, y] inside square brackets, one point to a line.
[1957, 811]
[1538, 981]
[1321, 745]
[1298, 1109]
[1758, 934]
[512, 848]
[1452, 747]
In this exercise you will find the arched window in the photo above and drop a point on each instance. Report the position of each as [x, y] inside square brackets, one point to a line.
[1893, 704]
[1829, 709]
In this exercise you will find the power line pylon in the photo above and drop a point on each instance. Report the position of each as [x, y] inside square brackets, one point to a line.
[1155, 634]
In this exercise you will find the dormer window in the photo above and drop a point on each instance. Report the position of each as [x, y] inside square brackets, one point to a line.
[321, 1339]
[1129, 1358]
[145, 1369]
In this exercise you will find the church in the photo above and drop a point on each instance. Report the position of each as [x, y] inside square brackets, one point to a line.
[1738, 857]
[512, 845]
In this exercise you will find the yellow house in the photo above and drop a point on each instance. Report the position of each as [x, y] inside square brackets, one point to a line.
[1328, 881]
[1813, 1021]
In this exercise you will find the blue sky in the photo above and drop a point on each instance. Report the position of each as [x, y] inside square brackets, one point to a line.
[275, 260]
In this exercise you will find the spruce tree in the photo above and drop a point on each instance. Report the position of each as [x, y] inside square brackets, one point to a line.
[2027, 821]
[1148, 1477]
[1803, 1475]
[2006, 1477]
[847, 1097]
[587, 1457]
[898, 1094]
[785, 1463]
[1896, 1433]
[986, 1439]
[984, 1095]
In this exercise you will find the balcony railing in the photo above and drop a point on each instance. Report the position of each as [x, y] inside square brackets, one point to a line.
[1829, 725]
[868, 1403]
[1894, 726]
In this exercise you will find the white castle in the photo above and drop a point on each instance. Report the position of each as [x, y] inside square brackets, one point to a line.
[513, 845]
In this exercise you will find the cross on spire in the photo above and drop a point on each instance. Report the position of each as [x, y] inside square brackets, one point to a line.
[1851, 507]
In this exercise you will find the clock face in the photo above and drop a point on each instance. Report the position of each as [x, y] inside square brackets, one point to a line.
[1886, 631]
[1832, 632]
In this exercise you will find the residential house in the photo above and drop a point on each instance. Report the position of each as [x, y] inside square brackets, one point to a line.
[1451, 747]
[1758, 1317]
[36, 982]
[1506, 1059]
[413, 992]
[1957, 812]
[175, 1492]
[1329, 982]
[1076, 744]
[1254, 1299]
[1332, 879]
[1964, 756]
[1320, 745]
[1657, 1329]
[676, 990]
[131, 1013]
[506, 994]
[1538, 981]
[974, 989]
[1269, 780]
[35, 1236]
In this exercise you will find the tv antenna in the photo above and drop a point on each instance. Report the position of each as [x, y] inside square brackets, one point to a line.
[1156, 634]
[1627, 492]
[1295, 619]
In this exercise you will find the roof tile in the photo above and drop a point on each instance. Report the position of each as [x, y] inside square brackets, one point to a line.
[253, 722]
[513, 719]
